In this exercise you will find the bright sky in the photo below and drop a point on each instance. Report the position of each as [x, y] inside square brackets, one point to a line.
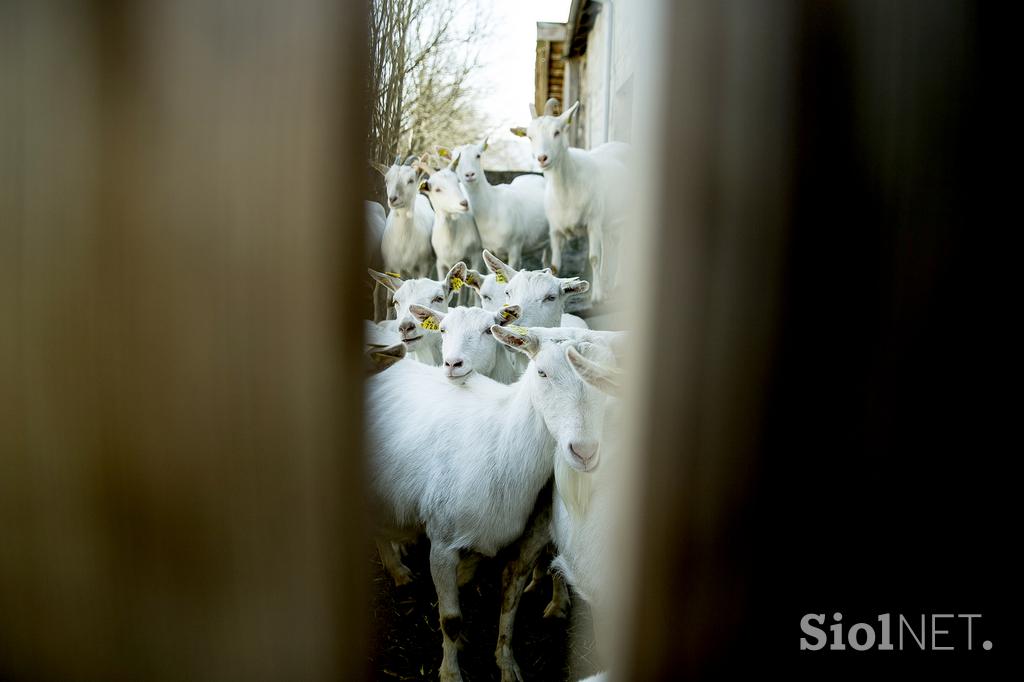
[508, 56]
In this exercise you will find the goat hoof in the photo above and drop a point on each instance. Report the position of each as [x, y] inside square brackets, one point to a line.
[555, 610]
[510, 671]
[448, 676]
[402, 576]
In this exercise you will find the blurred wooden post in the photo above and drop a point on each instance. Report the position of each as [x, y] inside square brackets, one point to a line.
[721, 210]
[180, 468]
[818, 388]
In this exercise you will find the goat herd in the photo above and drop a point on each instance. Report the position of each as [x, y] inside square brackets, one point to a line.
[504, 392]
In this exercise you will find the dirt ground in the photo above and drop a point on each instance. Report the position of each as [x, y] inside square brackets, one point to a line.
[407, 642]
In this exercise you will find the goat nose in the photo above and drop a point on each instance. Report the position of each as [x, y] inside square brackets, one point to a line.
[585, 450]
[406, 326]
[464, 204]
[453, 364]
[393, 198]
[470, 176]
[543, 158]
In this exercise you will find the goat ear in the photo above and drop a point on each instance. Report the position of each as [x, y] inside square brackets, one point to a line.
[379, 167]
[507, 315]
[533, 110]
[605, 379]
[502, 273]
[614, 341]
[574, 285]
[474, 279]
[428, 318]
[567, 116]
[389, 280]
[519, 131]
[379, 358]
[517, 338]
[455, 162]
[424, 185]
[456, 277]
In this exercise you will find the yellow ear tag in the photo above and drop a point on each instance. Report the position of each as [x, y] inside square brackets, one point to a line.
[393, 274]
[456, 283]
[516, 329]
[430, 323]
[499, 277]
[506, 315]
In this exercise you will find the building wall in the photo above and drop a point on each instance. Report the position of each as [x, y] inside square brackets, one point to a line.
[592, 78]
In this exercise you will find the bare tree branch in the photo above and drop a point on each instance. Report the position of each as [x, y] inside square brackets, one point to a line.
[424, 54]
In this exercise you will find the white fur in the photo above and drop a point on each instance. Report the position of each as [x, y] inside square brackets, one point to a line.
[471, 483]
[454, 236]
[467, 344]
[384, 333]
[424, 344]
[584, 194]
[405, 246]
[375, 219]
[539, 294]
[584, 515]
[511, 218]
[492, 297]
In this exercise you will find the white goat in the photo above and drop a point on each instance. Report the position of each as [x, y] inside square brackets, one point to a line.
[511, 218]
[467, 344]
[405, 246]
[471, 483]
[538, 532]
[541, 295]
[584, 194]
[424, 344]
[584, 509]
[384, 333]
[492, 296]
[487, 288]
[375, 218]
[454, 236]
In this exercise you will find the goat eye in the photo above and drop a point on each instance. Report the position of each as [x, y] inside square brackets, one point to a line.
[541, 374]
[436, 299]
[487, 331]
[409, 181]
[549, 298]
[478, 156]
[486, 297]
